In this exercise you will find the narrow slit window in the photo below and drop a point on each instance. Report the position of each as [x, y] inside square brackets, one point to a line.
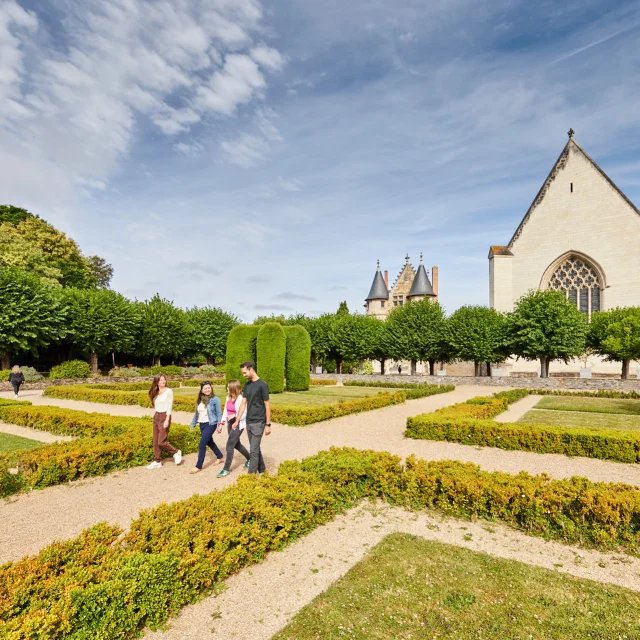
[572, 187]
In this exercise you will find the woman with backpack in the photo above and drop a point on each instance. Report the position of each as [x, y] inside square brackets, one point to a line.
[207, 415]
[16, 379]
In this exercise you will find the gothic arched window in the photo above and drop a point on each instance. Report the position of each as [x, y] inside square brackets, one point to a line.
[580, 280]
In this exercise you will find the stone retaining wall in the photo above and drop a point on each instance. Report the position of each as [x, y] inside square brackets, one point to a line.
[43, 384]
[584, 384]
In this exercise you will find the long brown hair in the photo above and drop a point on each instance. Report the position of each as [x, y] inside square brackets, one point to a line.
[155, 387]
[234, 389]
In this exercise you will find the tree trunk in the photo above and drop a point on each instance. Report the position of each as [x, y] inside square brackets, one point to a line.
[432, 366]
[6, 361]
[210, 360]
[361, 366]
[93, 362]
[489, 369]
[383, 363]
[414, 364]
[339, 366]
[113, 359]
[156, 361]
[625, 369]
[544, 367]
[476, 368]
[314, 364]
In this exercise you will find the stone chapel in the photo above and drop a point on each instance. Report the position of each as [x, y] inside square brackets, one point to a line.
[581, 235]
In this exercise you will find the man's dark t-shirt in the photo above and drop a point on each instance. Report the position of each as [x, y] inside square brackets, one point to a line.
[256, 393]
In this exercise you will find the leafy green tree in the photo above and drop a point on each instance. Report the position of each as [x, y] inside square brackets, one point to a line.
[343, 308]
[209, 328]
[320, 331]
[476, 333]
[164, 330]
[13, 215]
[546, 326]
[101, 321]
[615, 334]
[31, 315]
[415, 332]
[101, 271]
[273, 318]
[355, 337]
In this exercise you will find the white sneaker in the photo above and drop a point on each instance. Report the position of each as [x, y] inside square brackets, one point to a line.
[154, 465]
[16, 396]
[177, 456]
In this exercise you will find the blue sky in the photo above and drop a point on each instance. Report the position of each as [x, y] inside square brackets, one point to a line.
[261, 156]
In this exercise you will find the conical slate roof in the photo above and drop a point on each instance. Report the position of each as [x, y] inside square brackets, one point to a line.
[379, 289]
[421, 284]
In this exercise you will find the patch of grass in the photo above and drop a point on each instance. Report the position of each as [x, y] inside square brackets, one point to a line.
[10, 442]
[581, 419]
[408, 587]
[591, 405]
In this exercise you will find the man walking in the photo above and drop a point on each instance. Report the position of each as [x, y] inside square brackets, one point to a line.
[256, 403]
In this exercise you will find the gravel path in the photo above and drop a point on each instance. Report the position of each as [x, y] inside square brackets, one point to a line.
[518, 409]
[31, 521]
[32, 434]
[260, 600]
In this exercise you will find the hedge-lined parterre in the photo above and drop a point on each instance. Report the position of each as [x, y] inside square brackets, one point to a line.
[471, 423]
[103, 444]
[105, 584]
[292, 415]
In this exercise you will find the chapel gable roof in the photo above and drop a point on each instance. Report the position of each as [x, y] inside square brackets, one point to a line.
[496, 250]
[557, 167]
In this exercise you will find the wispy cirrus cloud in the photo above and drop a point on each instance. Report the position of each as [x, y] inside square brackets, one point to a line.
[287, 295]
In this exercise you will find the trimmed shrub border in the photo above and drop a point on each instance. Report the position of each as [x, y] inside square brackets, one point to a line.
[103, 444]
[271, 350]
[297, 358]
[293, 415]
[471, 423]
[106, 584]
[241, 346]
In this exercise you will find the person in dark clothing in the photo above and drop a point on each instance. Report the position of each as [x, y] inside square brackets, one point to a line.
[258, 414]
[16, 379]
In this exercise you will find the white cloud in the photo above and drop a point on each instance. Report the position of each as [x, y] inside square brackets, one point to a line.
[189, 149]
[246, 150]
[268, 57]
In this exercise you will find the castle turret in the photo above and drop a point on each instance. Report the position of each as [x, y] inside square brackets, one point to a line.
[378, 298]
[421, 287]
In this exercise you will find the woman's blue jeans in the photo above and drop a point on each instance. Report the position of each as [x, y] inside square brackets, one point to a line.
[206, 440]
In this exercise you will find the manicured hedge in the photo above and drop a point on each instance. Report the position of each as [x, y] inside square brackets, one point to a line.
[106, 584]
[241, 347]
[470, 423]
[271, 350]
[298, 358]
[387, 385]
[323, 382]
[104, 443]
[71, 370]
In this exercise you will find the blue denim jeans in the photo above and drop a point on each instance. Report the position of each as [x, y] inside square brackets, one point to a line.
[206, 440]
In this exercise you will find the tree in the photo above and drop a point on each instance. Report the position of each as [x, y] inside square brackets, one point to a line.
[615, 334]
[101, 321]
[355, 337]
[343, 309]
[209, 328]
[320, 332]
[164, 329]
[13, 215]
[100, 270]
[546, 326]
[31, 315]
[415, 332]
[476, 333]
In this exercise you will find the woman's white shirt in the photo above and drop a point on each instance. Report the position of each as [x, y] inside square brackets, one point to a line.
[237, 403]
[164, 402]
[203, 413]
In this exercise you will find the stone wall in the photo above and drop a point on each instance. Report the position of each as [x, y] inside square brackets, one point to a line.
[583, 384]
[43, 384]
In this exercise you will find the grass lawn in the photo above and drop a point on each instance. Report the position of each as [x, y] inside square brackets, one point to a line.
[10, 442]
[595, 405]
[410, 588]
[581, 419]
[316, 396]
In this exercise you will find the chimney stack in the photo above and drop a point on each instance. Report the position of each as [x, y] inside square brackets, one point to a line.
[434, 281]
[386, 279]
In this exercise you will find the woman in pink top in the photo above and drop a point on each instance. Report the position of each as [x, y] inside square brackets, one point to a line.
[231, 406]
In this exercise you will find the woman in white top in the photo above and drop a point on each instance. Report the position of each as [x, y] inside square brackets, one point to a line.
[207, 415]
[231, 406]
[162, 401]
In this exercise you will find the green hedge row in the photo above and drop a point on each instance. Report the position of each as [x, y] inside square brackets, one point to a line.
[297, 359]
[322, 382]
[241, 347]
[470, 423]
[386, 385]
[103, 444]
[105, 584]
[271, 346]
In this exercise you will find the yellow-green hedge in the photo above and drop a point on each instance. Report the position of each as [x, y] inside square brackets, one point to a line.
[470, 423]
[103, 444]
[323, 382]
[107, 585]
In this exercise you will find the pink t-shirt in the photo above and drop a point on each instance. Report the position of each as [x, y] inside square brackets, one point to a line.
[231, 408]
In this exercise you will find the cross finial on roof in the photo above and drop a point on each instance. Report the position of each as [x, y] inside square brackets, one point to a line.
[421, 257]
[406, 258]
[571, 133]
[378, 265]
